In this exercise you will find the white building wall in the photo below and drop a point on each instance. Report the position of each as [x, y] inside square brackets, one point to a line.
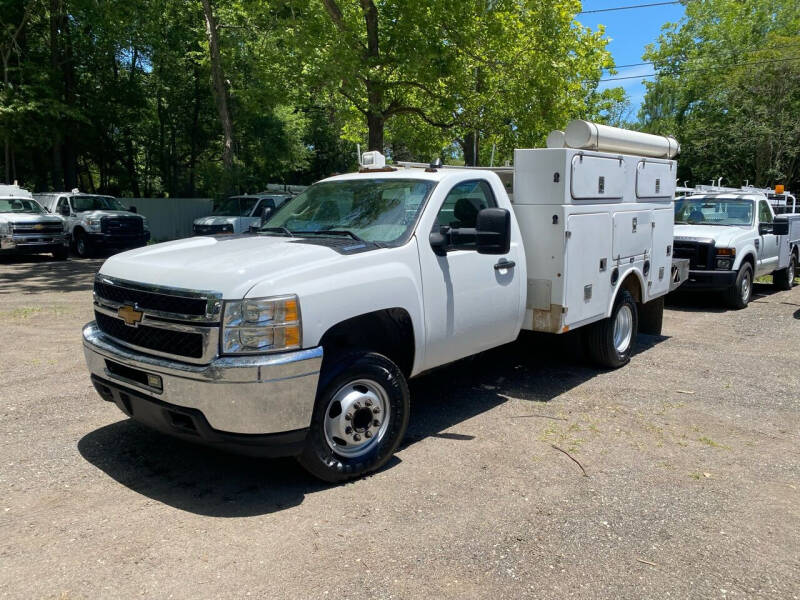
[170, 218]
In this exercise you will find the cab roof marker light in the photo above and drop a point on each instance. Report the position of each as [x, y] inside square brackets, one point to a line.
[373, 160]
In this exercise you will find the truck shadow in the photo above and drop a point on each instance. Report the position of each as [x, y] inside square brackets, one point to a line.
[40, 273]
[701, 301]
[208, 482]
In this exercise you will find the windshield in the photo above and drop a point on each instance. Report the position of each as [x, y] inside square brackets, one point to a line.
[375, 210]
[82, 203]
[236, 206]
[713, 211]
[20, 205]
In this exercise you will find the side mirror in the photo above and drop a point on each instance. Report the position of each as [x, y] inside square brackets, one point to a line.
[779, 227]
[493, 232]
[439, 241]
[64, 211]
[132, 209]
[266, 212]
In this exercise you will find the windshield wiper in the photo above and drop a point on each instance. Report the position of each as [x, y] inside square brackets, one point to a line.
[333, 232]
[282, 230]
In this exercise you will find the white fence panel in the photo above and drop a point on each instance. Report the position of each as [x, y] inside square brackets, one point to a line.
[170, 218]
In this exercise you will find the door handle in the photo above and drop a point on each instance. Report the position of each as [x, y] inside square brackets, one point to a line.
[504, 264]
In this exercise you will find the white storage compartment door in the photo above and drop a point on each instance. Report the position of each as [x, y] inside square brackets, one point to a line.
[661, 259]
[597, 178]
[632, 235]
[588, 266]
[655, 180]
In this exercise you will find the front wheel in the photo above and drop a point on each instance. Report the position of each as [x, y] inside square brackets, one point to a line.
[82, 247]
[738, 296]
[360, 417]
[784, 279]
[611, 341]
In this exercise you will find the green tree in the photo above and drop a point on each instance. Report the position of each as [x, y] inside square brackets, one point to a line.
[728, 86]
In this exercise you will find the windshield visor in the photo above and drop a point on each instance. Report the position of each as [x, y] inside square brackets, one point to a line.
[234, 207]
[20, 205]
[84, 203]
[376, 210]
[713, 211]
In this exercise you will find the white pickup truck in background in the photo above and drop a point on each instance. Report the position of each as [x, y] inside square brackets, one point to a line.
[299, 339]
[237, 214]
[27, 228]
[732, 237]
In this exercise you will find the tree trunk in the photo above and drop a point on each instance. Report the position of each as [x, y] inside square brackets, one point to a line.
[375, 117]
[471, 147]
[220, 91]
[55, 82]
[70, 155]
[193, 138]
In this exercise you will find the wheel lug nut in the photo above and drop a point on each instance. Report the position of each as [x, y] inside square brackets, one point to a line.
[376, 410]
[348, 430]
[375, 423]
[368, 402]
[348, 416]
[368, 434]
[357, 438]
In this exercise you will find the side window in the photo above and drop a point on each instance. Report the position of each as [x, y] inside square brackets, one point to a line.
[62, 202]
[764, 214]
[461, 206]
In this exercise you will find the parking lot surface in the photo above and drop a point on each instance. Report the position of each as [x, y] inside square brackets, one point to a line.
[691, 485]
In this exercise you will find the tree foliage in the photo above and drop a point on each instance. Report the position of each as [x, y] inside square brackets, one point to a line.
[729, 86]
[198, 97]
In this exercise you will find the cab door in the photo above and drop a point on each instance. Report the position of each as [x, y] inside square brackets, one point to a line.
[471, 300]
[63, 202]
[768, 249]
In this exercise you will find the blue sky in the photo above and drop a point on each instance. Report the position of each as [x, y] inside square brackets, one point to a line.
[630, 31]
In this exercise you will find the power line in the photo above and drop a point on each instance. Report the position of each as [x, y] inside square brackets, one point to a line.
[715, 68]
[633, 6]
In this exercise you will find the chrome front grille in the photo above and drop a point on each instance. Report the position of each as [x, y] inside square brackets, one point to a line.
[172, 323]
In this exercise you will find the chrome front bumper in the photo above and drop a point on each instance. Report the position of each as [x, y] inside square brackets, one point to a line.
[32, 241]
[263, 394]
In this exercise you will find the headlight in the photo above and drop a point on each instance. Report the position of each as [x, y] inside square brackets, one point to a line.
[93, 224]
[145, 224]
[5, 227]
[227, 228]
[257, 325]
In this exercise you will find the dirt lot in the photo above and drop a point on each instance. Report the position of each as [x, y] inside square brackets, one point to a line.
[692, 485]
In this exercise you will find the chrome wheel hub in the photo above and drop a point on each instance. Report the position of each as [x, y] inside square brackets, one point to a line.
[357, 418]
[745, 288]
[623, 329]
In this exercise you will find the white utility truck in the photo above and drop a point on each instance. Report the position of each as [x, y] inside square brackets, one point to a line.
[97, 221]
[27, 228]
[731, 236]
[237, 214]
[299, 339]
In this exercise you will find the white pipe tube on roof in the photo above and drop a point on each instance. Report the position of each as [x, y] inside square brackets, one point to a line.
[593, 136]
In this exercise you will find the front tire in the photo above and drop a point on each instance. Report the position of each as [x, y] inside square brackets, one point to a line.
[738, 296]
[611, 341]
[82, 246]
[784, 279]
[360, 417]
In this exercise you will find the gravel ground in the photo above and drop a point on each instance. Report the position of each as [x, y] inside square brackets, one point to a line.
[692, 485]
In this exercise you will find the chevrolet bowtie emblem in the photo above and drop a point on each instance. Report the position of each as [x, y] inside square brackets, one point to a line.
[130, 315]
[38, 227]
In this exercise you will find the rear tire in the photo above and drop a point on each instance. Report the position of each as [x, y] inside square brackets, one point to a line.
[738, 296]
[651, 316]
[784, 279]
[610, 342]
[360, 417]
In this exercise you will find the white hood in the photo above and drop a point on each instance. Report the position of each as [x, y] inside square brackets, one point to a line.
[29, 218]
[96, 214]
[723, 236]
[216, 220]
[231, 265]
